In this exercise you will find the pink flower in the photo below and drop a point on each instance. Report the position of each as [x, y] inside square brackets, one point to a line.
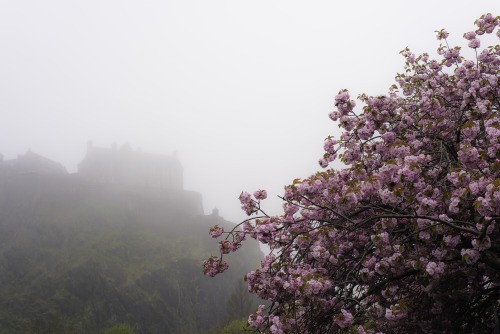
[470, 35]
[245, 197]
[482, 244]
[260, 194]
[344, 319]
[435, 269]
[474, 44]
[393, 313]
[214, 266]
[216, 231]
[468, 156]
[382, 267]
[442, 34]
[470, 256]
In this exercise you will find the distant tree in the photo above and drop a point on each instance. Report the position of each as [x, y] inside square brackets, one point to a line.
[404, 239]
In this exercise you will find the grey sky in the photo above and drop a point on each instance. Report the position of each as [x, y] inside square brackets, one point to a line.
[241, 89]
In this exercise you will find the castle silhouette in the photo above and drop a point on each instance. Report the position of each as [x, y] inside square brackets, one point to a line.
[107, 165]
[134, 178]
[126, 166]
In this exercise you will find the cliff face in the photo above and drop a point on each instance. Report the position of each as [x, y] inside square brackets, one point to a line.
[79, 257]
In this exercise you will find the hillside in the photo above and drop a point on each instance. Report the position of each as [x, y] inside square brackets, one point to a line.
[80, 257]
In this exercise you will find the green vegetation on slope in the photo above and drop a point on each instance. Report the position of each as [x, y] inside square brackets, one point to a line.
[87, 260]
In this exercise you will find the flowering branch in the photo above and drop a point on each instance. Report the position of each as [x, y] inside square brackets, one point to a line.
[405, 238]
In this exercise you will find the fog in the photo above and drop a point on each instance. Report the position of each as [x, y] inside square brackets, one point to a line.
[241, 90]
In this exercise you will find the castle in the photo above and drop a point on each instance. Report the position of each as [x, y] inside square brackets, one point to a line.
[31, 163]
[131, 177]
[126, 166]
[106, 166]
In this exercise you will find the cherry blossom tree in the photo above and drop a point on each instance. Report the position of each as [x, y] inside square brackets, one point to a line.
[404, 239]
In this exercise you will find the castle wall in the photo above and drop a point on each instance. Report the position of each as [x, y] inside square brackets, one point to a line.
[31, 163]
[125, 166]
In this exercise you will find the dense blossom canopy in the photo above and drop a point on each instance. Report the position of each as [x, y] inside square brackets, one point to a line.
[405, 238]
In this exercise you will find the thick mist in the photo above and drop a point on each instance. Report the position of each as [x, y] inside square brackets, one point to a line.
[241, 90]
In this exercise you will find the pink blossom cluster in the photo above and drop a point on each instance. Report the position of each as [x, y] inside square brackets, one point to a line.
[251, 205]
[216, 231]
[487, 24]
[214, 266]
[229, 246]
[247, 203]
[405, 238]
[260, 195]
[343, 319]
